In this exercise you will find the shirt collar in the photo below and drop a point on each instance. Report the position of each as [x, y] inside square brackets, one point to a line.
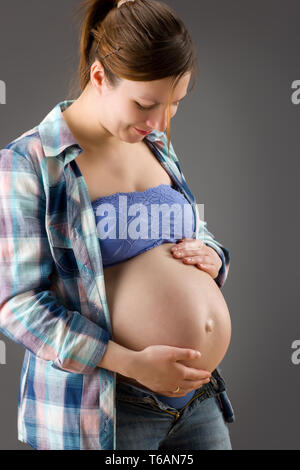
[56, 136]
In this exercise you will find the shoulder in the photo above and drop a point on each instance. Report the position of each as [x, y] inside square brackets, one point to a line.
[27, 146]
[160, 140]
[49, 138]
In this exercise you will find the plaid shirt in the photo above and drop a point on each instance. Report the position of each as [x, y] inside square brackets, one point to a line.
[52, 291]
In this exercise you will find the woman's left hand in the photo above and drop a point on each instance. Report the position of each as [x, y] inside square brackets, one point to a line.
[195, 252]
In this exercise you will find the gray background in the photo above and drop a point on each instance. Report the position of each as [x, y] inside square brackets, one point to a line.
[236, 137]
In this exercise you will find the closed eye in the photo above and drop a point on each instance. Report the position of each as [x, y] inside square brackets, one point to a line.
[143, 108]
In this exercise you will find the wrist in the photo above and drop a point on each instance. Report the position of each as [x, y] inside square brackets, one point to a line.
[118, 359]
[128, 365]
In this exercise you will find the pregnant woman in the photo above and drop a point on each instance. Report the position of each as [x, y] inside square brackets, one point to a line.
[111, 321]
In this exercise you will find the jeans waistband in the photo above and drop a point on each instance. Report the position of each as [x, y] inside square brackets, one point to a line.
[216, 387]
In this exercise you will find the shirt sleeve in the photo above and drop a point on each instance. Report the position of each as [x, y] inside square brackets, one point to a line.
[30, 314]
[207, 237]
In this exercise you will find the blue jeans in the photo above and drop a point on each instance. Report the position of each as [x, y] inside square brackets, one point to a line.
[144, 422]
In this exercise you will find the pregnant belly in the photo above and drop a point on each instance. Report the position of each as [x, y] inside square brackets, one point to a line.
[154, 298]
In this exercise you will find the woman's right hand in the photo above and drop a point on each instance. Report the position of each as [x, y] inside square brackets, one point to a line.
[157, 368]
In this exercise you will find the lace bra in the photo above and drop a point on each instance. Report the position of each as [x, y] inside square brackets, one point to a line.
[130, 223]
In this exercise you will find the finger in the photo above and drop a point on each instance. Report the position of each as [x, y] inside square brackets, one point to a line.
[186, 388]
[198, 378]
[195, 260]
[190, 252]
[209, 269]
[179, 354]
[206, 267]
[196, 256]
[196, 252]
[194, 375]
[194, 240]
[191, 244]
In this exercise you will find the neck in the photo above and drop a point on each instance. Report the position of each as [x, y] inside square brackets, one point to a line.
[85, 125]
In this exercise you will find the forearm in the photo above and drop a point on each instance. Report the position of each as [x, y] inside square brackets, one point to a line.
[119, 359]
[38, 322]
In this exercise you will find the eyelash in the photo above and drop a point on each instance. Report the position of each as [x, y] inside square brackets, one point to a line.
[147, 109]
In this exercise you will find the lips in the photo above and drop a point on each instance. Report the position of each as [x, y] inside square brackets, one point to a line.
[143, 132]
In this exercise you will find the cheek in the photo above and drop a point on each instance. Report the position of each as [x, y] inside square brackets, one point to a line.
[128, 115]
[135, 117]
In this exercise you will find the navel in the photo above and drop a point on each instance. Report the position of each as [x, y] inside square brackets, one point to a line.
[209, 325]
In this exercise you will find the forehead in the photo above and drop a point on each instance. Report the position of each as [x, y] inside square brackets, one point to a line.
[157, 89]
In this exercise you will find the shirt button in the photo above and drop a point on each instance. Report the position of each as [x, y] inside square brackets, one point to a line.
[75, 234]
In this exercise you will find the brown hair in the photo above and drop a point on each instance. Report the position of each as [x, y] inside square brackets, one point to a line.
[142, 40]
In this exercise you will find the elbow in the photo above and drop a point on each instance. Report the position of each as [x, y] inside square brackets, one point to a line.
[70, 365]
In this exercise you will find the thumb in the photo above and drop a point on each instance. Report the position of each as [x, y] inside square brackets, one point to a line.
[181, 353]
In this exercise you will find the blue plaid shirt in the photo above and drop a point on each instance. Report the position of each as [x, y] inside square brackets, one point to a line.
[52, 291]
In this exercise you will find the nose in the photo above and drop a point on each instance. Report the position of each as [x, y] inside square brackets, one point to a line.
[158, 121]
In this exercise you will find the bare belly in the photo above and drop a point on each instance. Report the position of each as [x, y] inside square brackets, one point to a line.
[154, 298]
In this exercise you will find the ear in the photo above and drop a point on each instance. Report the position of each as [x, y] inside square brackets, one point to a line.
[97, 74]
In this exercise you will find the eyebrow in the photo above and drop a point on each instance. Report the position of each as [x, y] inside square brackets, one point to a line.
[155, 102]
